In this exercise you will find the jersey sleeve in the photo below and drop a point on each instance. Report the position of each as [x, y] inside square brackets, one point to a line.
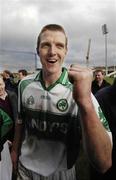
[100, 113]
[101, 116]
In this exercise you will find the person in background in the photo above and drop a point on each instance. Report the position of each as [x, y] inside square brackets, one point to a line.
[107, 100]
[99, 82]
[53, 108]
[8, 116]
[22, 73]
[9, 80]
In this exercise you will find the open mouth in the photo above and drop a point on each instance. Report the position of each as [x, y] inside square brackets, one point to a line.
[52, 61]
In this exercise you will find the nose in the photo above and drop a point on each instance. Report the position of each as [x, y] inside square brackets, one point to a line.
[52, 50]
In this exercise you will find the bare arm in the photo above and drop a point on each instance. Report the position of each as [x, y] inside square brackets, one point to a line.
[15, 152]
[97, 143]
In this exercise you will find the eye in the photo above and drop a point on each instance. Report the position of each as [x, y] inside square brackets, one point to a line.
[45, 45]
[60, 45]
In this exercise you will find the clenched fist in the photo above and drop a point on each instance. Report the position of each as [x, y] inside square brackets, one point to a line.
[81, 77]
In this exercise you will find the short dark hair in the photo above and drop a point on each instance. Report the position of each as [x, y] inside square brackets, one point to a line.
[23, 71]
[99, 70]
[51, 27]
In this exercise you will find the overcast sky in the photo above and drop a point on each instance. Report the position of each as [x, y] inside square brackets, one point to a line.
[22, 20]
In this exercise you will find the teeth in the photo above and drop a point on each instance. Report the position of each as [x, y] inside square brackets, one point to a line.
[52, 61]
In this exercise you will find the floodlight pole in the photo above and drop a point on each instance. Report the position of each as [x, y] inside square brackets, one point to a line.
[106, 59]
[105, 32]
[88, 52]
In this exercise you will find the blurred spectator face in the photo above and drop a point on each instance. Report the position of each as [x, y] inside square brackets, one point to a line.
[2, 87]
[22, 73]
[21, 76]
[99, 76]
[5, 75]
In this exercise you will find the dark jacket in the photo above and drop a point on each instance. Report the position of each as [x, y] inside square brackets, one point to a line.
[96, 87]
[107, 100]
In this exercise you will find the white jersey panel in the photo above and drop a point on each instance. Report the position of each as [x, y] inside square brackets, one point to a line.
[57, 100]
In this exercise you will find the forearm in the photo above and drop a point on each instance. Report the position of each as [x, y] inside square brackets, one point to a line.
[17, 138]
[15, 151]
[96, 141]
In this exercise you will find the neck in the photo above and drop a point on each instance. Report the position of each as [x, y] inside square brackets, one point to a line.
[49, 79]
[100, 82]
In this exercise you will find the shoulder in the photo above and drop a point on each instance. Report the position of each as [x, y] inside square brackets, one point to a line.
[106, 83]
[104, 91]
[26, 81]
[106, 95]
[31, 76]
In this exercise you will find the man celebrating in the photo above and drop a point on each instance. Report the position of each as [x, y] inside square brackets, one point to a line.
[52, 111]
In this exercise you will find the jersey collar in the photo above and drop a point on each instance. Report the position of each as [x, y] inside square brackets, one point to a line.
[62, 80]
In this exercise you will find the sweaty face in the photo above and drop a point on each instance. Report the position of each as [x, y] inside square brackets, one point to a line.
[52, 51]
[2, 87]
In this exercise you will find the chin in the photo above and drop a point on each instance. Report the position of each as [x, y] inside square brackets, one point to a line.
[52, 69]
